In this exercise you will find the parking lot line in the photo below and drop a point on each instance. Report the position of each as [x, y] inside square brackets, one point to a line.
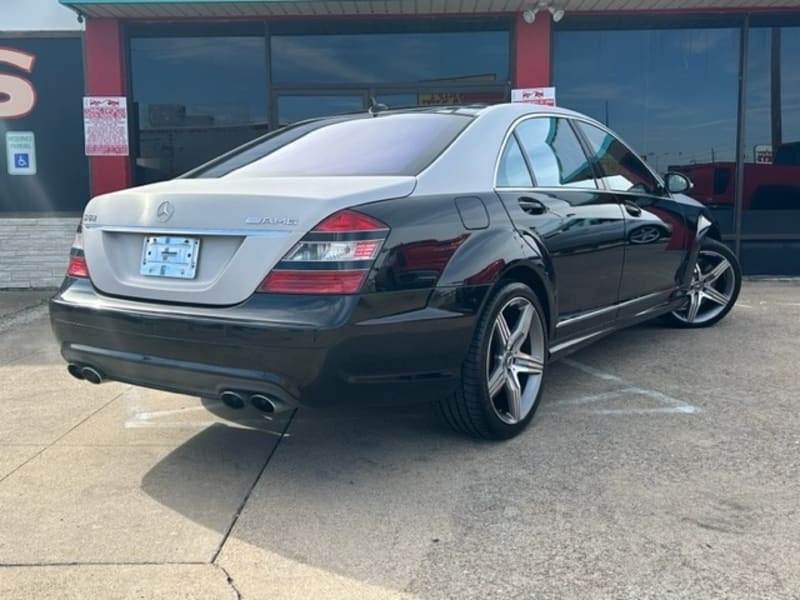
[627, 391]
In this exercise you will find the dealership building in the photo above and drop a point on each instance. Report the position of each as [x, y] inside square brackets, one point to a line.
[707, 87]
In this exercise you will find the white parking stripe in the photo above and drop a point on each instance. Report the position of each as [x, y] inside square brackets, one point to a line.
[591, 370]
[627, 391]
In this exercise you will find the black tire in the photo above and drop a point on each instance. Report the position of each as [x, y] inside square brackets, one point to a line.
[470, 409]
[712, 247]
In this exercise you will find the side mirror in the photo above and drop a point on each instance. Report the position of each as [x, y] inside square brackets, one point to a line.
[677, 183]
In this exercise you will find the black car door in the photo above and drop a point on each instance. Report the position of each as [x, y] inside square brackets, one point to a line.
[656, 236]
[548, 187]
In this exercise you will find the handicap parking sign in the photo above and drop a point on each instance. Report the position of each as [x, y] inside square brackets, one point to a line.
[21, 152]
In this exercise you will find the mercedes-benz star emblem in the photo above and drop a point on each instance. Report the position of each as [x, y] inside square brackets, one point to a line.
[165, 211]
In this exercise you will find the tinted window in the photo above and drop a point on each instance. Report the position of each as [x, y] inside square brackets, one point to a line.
[293, 108]
[196, 98]
[670, 92]
[555, 154]
[512, 171]
[771, 178]
[620, 168]
[465, 56]
[401, 144]
[255, 149]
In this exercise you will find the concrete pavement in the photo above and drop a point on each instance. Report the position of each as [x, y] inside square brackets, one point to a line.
[661, 464]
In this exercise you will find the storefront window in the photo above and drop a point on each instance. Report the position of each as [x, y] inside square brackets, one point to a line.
[466, 57]
[195, 98]
[670, 93]
[293, 107]
[771, 188]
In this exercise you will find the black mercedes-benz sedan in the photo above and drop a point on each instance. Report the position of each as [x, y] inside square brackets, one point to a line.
[441, 255]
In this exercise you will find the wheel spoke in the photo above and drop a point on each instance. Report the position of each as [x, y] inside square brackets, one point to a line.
[501, 327]
[496, 381]
[715, 296]
[525, 363]
[694, 306]
[514, 396]
[522, 328]
[717, 272]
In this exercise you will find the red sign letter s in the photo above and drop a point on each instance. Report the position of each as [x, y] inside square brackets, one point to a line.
[17, 95]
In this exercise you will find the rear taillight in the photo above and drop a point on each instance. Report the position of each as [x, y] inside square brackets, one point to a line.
[77, 266]
[77, 260]
[333, 258]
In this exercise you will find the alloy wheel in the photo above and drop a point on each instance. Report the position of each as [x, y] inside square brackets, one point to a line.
[711, 290]
[515, 360]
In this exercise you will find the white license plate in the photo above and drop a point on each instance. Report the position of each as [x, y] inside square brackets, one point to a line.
[170, 256]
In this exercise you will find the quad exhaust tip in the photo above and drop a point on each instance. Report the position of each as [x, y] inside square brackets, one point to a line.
[85, 372]
[263, 403]
[75, 371]
[232, 399]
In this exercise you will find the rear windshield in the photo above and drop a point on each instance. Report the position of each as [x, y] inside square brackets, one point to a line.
[397, 144]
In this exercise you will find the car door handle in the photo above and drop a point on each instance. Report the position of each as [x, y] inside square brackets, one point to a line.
[633, 209]
[532, 206]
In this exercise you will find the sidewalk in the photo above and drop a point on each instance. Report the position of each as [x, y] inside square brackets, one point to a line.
[14, 302]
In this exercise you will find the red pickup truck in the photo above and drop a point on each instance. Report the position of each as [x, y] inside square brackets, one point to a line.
[774, 186]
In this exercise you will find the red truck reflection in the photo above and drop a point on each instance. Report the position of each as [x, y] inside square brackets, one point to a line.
[773, 186]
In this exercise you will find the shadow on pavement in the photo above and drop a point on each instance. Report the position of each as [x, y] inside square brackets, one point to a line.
[339, 488]
[190, 478]
[388, 496]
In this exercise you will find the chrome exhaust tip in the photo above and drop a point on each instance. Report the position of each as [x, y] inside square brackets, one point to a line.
[263, 403]
[232, 399]
[91, 375]
[75, 371]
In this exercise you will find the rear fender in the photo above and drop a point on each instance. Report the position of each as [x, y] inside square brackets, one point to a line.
[440, 256]
[492, 258]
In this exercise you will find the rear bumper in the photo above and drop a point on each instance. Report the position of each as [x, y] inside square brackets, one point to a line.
[303, 351]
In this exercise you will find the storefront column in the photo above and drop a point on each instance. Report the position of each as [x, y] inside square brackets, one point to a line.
[532, 51]
[105, 76]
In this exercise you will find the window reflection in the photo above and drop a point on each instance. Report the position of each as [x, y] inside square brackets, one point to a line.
[621, 170]
[196, 98]
[293, 108]
[555, 154]
[359, 147]
[442, 96]
[512, 171]
[358, 58]
[771, 179]
[771, 192]
[670, 93]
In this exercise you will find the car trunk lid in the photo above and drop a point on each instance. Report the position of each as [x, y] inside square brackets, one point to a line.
[212, 241]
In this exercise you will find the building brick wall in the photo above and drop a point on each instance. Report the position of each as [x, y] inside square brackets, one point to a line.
[34, 252]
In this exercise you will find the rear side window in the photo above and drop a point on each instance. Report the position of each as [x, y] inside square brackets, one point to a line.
[512, 171]
[399, 144]
[555, 154]
[621, 169]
